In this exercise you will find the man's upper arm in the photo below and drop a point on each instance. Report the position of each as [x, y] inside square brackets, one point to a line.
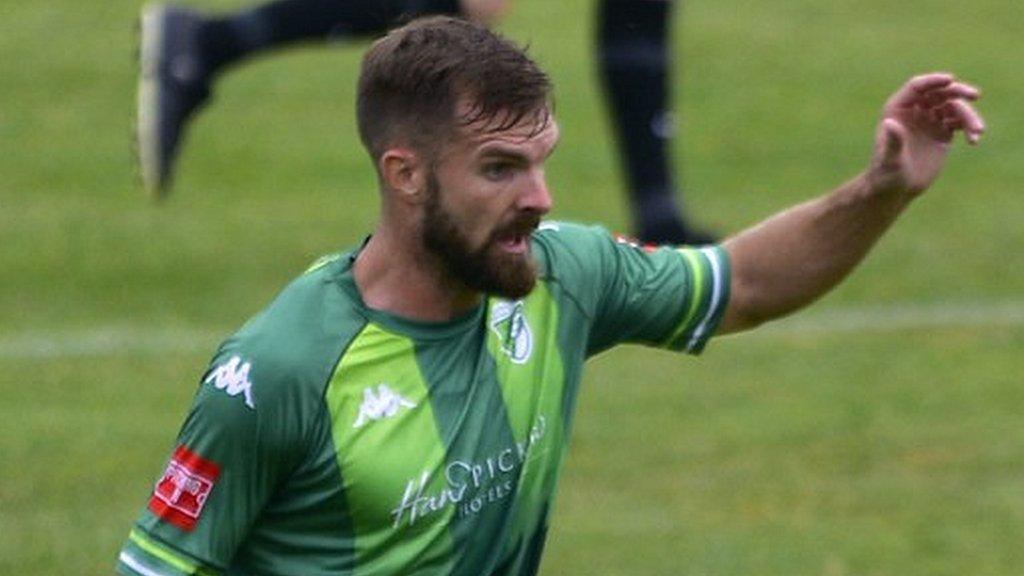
[666, 297]
[231, 452]
[660, 296]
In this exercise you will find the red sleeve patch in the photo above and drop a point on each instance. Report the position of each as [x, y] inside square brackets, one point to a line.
[634, 243]
[180, 494]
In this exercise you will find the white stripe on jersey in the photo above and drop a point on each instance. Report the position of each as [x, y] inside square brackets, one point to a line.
[134, 564]
[716, 296]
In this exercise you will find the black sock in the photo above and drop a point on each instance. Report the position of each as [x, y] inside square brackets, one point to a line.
[633, 49]
[226, 40]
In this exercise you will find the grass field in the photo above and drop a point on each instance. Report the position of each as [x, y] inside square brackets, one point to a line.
[882, 433]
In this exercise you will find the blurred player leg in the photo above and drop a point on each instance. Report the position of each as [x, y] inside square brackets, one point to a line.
[182, 51]
[633, 48]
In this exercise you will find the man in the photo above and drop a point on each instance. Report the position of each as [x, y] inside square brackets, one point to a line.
[184, 52]
[403, 407]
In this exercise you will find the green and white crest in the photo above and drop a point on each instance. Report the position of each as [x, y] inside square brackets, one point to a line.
[508, 321]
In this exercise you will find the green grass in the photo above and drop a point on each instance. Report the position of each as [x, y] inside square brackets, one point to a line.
[886, 452]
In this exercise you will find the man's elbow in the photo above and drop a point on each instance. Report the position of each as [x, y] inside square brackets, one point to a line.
[745, 310]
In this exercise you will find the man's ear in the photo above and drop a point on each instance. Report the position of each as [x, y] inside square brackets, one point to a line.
[404, 171]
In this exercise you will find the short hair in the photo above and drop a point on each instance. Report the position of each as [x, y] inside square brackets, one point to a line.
[413, 79]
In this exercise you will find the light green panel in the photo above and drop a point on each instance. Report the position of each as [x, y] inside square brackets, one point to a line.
[397, 496]
[523, 339]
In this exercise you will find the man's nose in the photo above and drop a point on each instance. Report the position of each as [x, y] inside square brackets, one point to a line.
[536, 197]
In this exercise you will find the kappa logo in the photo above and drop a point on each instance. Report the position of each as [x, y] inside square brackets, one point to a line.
[233, 378]
[508, 321]
[384, 403]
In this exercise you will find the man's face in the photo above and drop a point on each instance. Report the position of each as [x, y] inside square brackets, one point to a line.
[486, 194]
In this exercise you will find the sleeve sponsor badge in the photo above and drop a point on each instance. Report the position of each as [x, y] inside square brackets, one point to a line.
[181, 492]
[634, 243]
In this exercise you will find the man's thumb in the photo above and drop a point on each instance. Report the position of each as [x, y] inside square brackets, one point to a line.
[894, 135]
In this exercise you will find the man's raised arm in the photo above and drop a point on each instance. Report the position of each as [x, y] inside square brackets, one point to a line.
[792, 258]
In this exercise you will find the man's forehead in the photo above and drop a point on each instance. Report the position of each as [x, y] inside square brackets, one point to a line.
[536, 128]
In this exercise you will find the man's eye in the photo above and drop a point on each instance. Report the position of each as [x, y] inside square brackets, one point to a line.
[497, 171]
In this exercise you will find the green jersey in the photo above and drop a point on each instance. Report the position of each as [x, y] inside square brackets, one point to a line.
[328, 438]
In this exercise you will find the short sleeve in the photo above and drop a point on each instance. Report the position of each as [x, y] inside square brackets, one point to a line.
[238, 442]
[668, 297]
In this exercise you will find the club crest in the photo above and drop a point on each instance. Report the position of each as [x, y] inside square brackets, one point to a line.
[508, 321]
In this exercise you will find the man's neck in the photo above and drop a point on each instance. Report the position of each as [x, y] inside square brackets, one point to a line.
[408, 281]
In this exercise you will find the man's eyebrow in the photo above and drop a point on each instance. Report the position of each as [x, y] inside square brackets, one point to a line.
[504, 152]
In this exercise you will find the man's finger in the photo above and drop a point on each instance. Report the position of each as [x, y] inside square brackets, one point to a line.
[961, 109]
[917, 87]
[953, 123]
[973, 125]
[957, 90]
[926, 82]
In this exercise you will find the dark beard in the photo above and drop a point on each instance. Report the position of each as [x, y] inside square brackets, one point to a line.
[507, 275]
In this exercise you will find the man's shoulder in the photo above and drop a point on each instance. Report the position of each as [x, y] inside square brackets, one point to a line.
[298, 338]
[566, 249]
[564, 231]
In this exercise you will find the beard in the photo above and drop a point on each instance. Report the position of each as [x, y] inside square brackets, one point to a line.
[487, 269]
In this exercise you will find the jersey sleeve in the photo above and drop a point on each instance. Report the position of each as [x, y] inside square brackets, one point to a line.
[239, 440]
[668, 297]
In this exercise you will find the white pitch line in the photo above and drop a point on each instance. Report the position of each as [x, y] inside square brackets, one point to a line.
[142, 340]
[899, 317]
[107, 341]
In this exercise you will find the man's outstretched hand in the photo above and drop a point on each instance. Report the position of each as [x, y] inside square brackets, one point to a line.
[917, 128]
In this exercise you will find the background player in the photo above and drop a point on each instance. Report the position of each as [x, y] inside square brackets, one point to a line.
[183, 53]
